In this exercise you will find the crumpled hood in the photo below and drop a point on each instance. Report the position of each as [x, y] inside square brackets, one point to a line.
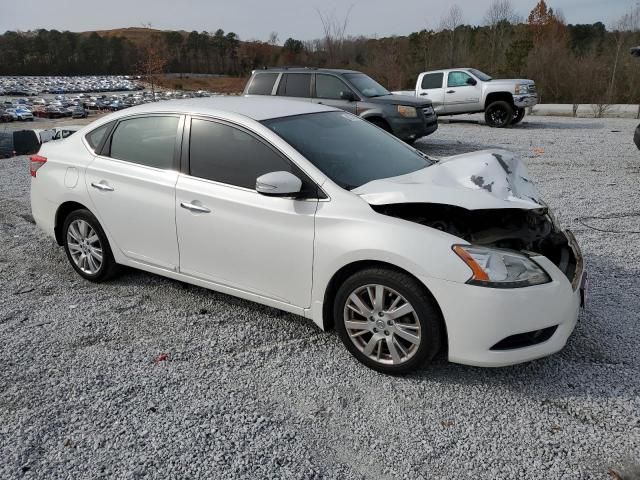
[488, 179]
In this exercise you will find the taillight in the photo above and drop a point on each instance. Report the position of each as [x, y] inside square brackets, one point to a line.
[36, 162]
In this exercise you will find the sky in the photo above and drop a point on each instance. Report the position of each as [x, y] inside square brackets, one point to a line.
[256, 19]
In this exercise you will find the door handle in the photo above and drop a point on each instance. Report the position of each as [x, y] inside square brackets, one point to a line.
[451, 91]
[102, 187]
[195, 208]
[424, 93]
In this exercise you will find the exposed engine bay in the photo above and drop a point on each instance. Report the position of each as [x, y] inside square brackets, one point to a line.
[511, 228]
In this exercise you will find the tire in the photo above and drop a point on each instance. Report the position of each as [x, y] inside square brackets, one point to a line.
[378, 122]
[84, 253]
[372, 343]
[518, 116]
[499, 114]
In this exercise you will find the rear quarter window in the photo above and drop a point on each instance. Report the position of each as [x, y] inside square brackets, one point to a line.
[262, 83]
[95, 137]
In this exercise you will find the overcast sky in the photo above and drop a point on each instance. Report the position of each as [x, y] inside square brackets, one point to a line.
[255, 19]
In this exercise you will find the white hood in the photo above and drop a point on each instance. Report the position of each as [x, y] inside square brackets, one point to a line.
[488, 179]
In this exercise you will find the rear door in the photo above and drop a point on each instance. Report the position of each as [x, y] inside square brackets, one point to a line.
[432, 87]
[460, 96]
[296, 86]
[329, 90]
[132, 186]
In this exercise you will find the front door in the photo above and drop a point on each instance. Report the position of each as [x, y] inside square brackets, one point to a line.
[330, 91]
[232, 235]
[460, 96]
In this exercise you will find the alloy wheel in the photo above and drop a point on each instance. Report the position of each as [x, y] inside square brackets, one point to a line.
[382, 324]
[84, 246]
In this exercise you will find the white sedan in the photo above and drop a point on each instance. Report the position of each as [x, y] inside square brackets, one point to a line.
[314, 211]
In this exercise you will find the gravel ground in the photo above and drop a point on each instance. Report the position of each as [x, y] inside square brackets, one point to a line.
[145, 377]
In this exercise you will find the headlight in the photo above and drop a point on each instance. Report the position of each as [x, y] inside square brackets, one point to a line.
[522, 89]
[408, 112]
[496, 268]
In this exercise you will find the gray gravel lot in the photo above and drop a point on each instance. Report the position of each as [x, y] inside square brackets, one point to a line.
[250, 392]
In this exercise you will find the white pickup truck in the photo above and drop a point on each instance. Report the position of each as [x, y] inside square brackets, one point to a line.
[467, 90]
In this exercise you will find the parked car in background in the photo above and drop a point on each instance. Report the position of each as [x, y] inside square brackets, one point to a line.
[467, 90]
[79, 112]
[20, 113]
[66, 131]
[5, 116]
[635, 51]
[312, 210]
[407, 118]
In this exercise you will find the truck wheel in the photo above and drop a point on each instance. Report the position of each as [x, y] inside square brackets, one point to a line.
[499, 114]
[518, 116]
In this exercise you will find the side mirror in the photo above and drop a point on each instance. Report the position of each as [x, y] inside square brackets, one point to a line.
[278, 184]
[349, 96]
[472, 81]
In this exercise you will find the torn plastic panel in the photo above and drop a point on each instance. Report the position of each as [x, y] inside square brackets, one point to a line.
[516, 229]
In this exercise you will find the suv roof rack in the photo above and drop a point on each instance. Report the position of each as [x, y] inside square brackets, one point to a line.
[287, 67]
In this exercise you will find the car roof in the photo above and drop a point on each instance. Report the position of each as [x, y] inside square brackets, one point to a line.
[255, 107]
[306, 70]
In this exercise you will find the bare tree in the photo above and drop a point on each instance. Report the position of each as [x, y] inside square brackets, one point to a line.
[499, 15]
[153, 61]
[273, 38]
[622, 29]
[334, 31]
[449, 24]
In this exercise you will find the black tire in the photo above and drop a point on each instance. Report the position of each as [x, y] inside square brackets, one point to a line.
[378, 122]
[427, 313]
[518, 116]
[108, 268]
[499, 114]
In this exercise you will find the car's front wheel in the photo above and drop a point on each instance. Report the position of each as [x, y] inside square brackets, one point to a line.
[499, 114]
[387, 320]
[87, 246]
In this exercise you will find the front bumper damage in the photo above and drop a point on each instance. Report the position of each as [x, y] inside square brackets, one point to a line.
[526, 100]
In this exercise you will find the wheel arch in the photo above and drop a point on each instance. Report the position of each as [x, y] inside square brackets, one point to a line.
[61, 214]
[497, 96]
[349, 269]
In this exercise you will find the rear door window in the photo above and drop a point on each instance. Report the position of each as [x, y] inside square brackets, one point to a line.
[148, 141]
[432, 80]
[262, 83]
[295, 85]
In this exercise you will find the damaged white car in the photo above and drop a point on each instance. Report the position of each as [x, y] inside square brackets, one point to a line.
[314, 211]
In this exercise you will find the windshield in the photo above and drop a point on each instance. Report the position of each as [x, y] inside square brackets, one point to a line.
[483, 77]
[366, 85]
[349, 150]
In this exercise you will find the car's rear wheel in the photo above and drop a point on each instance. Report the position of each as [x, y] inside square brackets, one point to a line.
[518, 116]
[87, 246]
[387, 320]
[499, 114]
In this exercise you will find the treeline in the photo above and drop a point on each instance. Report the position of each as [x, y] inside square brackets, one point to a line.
[570, 63]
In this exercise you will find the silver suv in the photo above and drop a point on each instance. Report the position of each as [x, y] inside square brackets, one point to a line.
[408, 118]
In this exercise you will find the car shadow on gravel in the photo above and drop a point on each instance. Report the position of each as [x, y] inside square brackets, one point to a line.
[578, 125]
